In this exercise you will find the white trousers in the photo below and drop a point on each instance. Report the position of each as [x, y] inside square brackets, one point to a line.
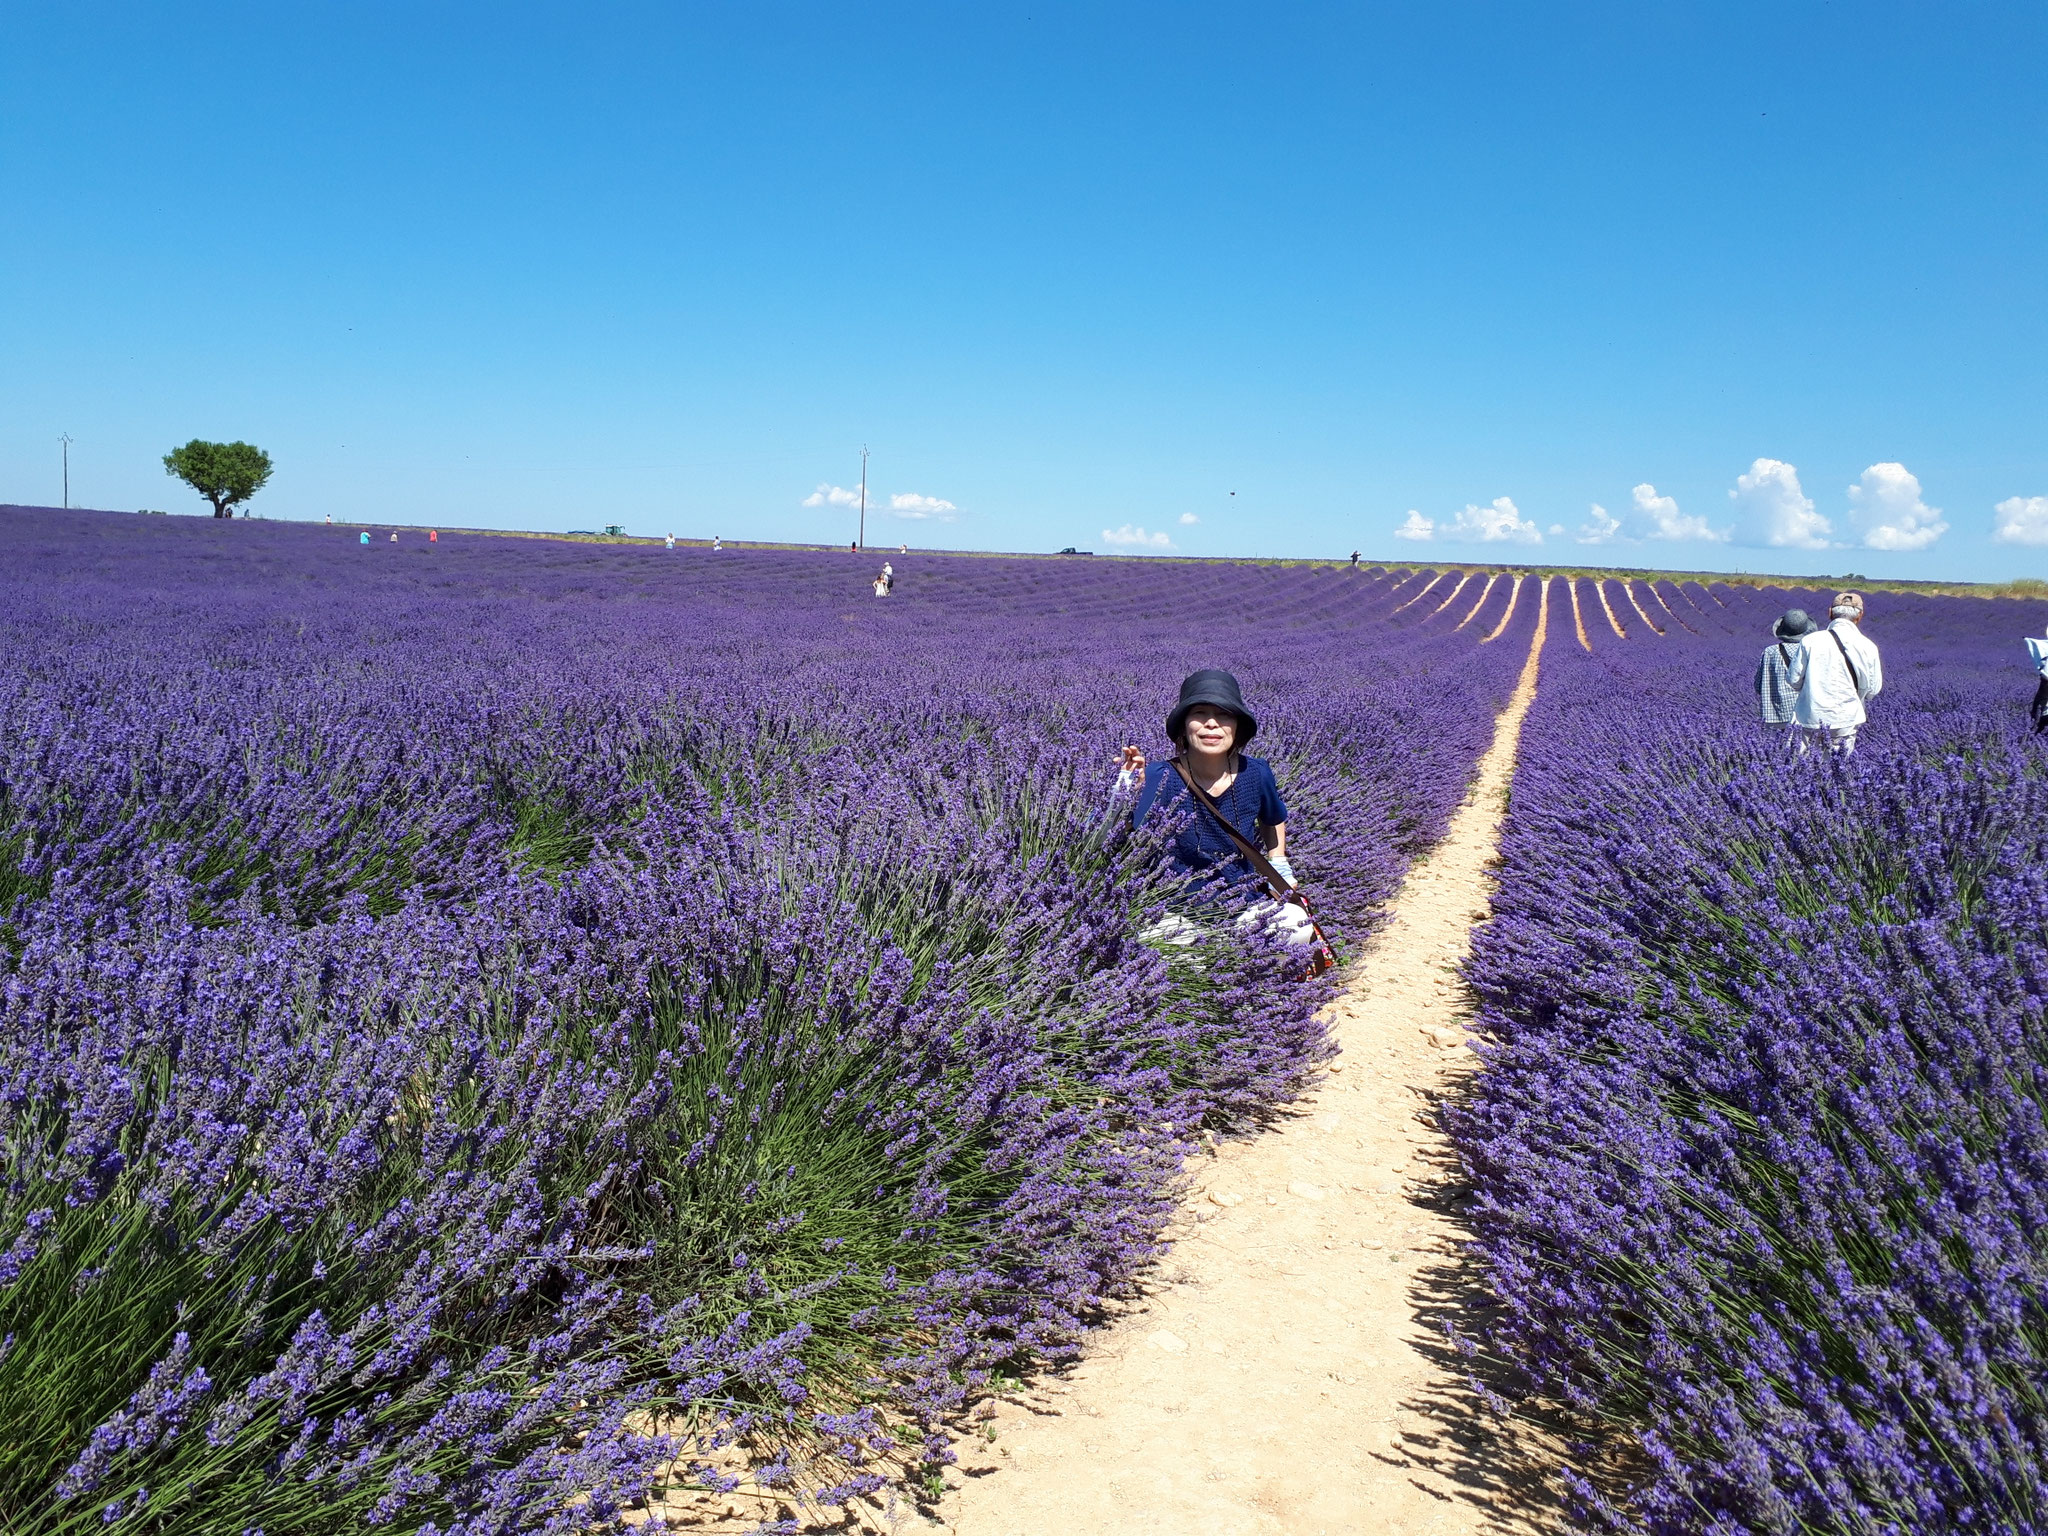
[1293, 925]
[1838, 739]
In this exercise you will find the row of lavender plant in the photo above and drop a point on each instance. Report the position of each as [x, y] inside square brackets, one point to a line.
[1759, 1145]
[487, 1028]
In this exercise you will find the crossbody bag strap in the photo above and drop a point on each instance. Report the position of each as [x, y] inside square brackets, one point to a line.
[1245, 845]
[1836, 635]
[1324, 958]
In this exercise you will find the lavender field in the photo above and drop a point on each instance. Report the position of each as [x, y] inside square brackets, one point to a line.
[489, 1029]
[495, 1030]
[1759, 1146]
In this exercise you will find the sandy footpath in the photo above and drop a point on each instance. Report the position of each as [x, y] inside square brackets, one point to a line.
[1287, 1372]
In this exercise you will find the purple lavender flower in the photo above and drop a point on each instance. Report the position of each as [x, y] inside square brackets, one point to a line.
[1759, 1149]
[523, 1003]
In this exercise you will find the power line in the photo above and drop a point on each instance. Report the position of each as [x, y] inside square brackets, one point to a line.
[65, 439]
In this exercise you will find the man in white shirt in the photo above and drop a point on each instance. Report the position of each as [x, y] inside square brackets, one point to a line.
[1842, 672]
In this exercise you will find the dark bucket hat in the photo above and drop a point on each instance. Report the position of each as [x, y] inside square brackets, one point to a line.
[1794, 624]
[1211, 687]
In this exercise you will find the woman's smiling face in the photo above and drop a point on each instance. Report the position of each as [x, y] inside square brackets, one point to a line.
[1210, 731]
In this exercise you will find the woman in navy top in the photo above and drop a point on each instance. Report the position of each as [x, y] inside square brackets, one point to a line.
[1211, 726]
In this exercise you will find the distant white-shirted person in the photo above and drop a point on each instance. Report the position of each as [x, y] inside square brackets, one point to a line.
[1843, 672]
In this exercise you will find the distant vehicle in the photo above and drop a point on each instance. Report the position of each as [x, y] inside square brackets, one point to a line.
[616, 530]
[1070, 550]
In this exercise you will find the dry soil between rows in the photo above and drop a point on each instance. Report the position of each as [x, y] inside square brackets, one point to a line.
[1288, 1371]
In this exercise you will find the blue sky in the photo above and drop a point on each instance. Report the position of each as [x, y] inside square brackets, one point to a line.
[1255, 281]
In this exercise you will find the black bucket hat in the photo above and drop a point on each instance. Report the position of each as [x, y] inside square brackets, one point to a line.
[1211, 687]
[1793, 624]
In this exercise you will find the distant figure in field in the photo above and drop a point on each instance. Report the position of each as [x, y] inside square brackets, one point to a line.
[1843, 672]
[888, 577]
[881, 586]
[330, 519]
[394, 535]
[852, 547]
[671, 541]
[903, 548]
[1782, 667]
[366, 535]
[715, 543]
[1354, 559]
[433, 535]
[2037, 653]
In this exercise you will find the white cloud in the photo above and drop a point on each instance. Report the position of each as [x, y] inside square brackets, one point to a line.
[1600, 527]
[1649, 516]
[1492, 524]
[1886, 509]
[1657, 517]
[910, 504]
[1135, 538]
[1500, 520]
[832, 496]
[1557, 527]
[1772, 510]
[2022, 520]
[1188, 519]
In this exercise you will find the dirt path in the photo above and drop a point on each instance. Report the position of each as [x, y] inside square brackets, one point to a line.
[1600, 591]
[1288, 1374]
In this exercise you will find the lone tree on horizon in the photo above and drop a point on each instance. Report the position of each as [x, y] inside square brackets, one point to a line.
[226, 474]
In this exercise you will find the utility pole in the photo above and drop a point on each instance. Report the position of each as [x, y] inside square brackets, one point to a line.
[863, 539]
[65, 439]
